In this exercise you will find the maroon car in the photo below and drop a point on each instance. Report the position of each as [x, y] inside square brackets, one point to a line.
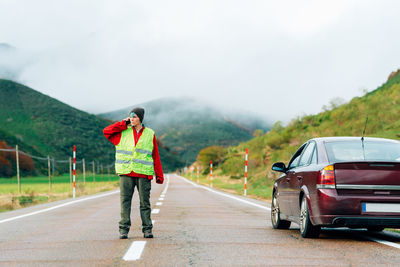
[339, 182]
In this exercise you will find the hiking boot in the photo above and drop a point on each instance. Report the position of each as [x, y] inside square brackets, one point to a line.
[123, 236]
[148, 235]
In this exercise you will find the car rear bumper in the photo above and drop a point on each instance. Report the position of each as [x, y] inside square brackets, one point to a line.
[357, 221]
[331, 209]
[366, 221]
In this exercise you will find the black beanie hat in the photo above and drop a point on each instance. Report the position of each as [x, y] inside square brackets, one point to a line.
[139, 112]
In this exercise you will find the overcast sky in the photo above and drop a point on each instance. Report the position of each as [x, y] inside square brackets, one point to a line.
[280, 58]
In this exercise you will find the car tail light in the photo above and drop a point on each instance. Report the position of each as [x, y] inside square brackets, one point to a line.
[326, 178]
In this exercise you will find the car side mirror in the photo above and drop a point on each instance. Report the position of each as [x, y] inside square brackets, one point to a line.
[279, 167]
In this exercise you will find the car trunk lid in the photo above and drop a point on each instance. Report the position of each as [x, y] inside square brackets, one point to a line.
[375, 178]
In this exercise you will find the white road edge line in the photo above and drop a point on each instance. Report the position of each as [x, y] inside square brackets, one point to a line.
[226, 195]
[153, 222]
[384, 242]
[58, 206]
[155, 211]
[135, 251]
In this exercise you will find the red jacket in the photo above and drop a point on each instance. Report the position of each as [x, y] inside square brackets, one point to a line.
[113, 134]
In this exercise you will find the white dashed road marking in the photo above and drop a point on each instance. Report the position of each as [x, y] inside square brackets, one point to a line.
[135, 251]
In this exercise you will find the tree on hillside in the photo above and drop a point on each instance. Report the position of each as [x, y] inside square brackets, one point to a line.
[216, 154]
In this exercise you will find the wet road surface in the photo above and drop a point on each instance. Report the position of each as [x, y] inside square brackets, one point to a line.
[193, 226]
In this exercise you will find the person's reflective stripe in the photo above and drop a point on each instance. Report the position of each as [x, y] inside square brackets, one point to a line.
[134, 160]
[142, 162]
[119, 161]
[143, 151]
[124, 152]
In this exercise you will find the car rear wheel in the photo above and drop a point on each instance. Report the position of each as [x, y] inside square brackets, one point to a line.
[307, 229]
[277, 223]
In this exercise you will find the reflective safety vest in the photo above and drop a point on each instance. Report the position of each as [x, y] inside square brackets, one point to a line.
[139, 158]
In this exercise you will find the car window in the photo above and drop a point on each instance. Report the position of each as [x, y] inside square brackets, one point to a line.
[294, 162]
[340, 151]
[307, 154]
[314, 159]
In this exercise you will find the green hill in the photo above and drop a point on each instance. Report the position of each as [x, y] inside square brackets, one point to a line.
[382, 107]
[186, 126]
[45, 126]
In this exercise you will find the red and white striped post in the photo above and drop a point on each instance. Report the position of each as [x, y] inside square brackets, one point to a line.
[245, 173]
[211, 177]
[74, 173]
[197, 173]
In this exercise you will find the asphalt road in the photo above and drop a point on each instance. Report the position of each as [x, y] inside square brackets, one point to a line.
[194, 226]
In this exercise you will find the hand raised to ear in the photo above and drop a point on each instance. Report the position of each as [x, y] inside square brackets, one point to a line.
[127, 120]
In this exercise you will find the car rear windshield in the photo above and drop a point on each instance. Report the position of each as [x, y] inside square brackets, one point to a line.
[339, 151]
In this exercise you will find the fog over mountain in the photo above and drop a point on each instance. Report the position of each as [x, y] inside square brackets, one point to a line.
[187, 125]
[169, 111]
[8, 69]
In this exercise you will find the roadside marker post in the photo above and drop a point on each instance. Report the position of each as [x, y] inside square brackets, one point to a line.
[245, 174]
[197, 174]
[74, 173]
[211, 176]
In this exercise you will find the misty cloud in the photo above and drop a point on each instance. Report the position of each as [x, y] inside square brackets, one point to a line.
[167, 112]
[279, 59]
[12, 62]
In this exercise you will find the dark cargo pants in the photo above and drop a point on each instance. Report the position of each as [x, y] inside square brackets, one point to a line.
[127, 185]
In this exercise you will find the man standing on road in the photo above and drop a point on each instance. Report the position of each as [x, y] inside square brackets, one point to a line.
[136, 161]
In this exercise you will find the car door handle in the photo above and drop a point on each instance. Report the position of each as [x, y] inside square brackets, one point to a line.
[287, 179]
[299, 177]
